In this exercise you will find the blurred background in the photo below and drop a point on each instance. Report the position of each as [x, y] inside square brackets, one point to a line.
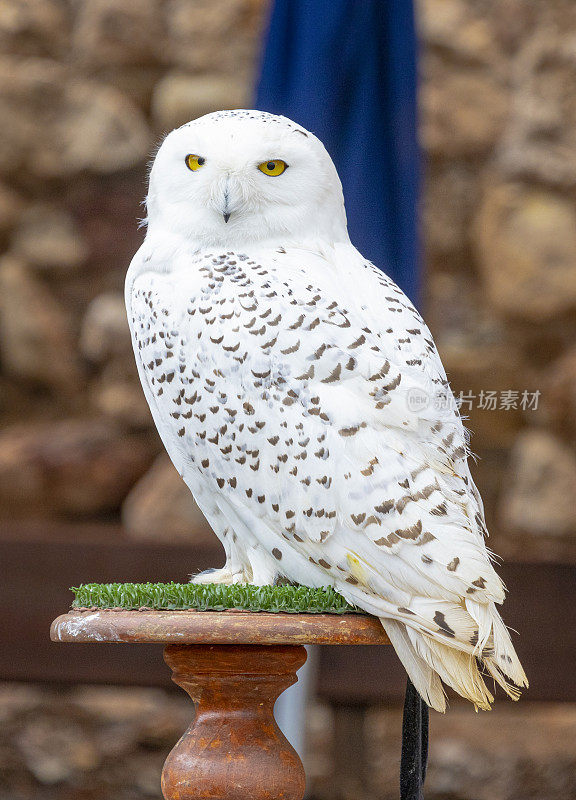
[87, 90]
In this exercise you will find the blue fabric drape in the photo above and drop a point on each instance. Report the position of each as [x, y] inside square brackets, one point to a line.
[346, 70]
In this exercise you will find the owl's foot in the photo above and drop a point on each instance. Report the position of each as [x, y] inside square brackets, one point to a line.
[226, 575]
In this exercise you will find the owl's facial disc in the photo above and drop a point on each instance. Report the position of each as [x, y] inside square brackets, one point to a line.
[235, 178]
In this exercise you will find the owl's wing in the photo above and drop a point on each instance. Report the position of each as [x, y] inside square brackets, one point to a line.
[395, 424]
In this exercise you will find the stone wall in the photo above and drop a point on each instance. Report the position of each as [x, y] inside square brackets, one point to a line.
[88, 89]
[497, 119]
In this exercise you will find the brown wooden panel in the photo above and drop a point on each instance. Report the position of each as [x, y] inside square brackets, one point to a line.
[34, 585]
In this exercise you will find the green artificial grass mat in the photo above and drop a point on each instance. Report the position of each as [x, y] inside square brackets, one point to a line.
[211, 597]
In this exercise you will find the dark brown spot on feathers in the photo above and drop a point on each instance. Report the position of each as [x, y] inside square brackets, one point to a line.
[351, 431]
[413, 532]
[298, 323]
[385, 507]
[440, 620]
[292, 349]
[306, 375]
[393, 384]
[334, 375]
[387, 541]
[358, 342]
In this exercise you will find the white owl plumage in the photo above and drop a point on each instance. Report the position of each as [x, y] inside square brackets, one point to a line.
[301, 397]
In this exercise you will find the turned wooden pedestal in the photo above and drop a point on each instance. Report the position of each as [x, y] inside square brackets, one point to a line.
[234, 665]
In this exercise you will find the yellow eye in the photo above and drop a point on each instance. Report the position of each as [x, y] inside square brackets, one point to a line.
[273, 168]
[194, 162]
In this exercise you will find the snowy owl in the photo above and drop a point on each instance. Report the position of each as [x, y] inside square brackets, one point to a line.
[301, 397]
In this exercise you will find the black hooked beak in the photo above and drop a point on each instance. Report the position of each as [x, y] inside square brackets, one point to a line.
[226, 213]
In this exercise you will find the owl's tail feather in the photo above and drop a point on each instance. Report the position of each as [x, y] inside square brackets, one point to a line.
[430, 658]
[498, 654]
[457, 669]
[426, 681]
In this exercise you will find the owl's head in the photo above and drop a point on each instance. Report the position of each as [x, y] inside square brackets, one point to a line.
[235, 177]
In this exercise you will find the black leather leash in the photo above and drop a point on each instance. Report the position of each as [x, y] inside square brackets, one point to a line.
[414, 745]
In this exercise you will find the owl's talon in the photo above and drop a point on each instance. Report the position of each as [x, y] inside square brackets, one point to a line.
[225, 575]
